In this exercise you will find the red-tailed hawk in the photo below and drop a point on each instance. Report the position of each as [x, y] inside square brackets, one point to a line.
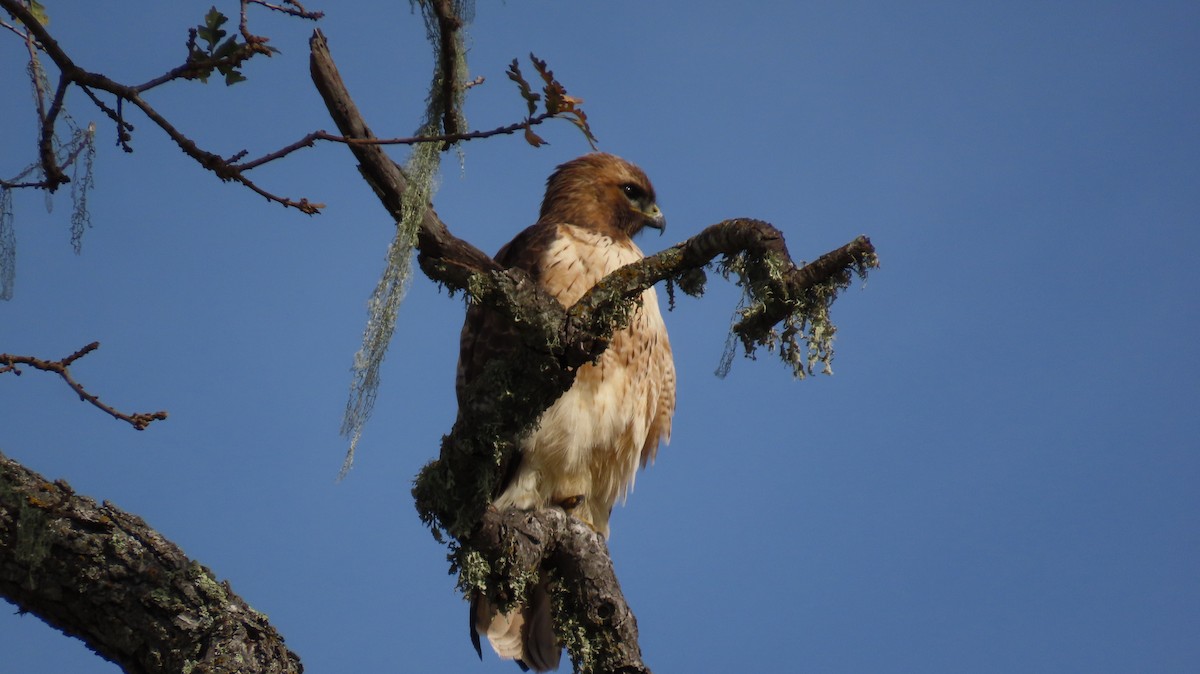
[588, 445]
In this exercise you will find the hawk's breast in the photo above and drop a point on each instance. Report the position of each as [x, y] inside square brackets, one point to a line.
[592, 440]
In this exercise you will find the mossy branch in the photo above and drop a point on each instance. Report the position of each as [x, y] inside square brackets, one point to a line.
[754, 251]
[104, 576]
[596, 623]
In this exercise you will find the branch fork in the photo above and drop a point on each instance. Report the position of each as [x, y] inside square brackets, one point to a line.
[9, 363]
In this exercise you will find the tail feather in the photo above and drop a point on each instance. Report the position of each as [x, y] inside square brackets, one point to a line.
[542, 649]
[475, 600]
[525, 634]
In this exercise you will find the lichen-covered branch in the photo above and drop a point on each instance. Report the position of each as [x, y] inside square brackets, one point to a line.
[597, 625]
[446, 24]
[104, 576]
[778, 291]
[10, 363]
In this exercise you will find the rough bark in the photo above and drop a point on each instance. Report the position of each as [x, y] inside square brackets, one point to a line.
[104, 576]
[593, 611]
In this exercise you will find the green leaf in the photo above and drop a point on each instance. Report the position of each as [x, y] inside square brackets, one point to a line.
[38, 10]
[227, 47]
[231, 73]
[211, 31]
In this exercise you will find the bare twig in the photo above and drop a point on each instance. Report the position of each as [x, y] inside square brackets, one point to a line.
[9, 363]
[18, 32]
[294, 8]
[310, 140]
[39, 95]
[124, 128]
[54, 173]
[16, 184]
[453, 255]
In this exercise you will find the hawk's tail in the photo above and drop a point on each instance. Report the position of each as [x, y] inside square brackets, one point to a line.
[525, 634]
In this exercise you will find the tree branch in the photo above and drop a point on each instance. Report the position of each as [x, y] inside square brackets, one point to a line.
[311, 139]
[9, 363]
[454, 259]
[757, 253]
[448, 24]
[199, 65]
[71, 73]
[594, 609]
[104, 576]
[294, 8]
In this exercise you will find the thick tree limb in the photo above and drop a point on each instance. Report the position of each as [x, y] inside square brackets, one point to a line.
[104, 576]
[594, 609]
[448, 23]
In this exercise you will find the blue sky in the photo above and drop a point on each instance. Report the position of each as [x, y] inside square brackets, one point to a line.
[1000, 476]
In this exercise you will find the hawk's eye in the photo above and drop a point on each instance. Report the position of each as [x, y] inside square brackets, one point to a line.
[633, 191]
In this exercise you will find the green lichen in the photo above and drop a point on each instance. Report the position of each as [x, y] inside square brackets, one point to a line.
[590, 643]
[34, 534]
[805, 341]
[204, 581]
[421, 173]
[499, 579]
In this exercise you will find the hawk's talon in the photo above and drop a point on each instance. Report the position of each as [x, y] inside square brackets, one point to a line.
[571, 502]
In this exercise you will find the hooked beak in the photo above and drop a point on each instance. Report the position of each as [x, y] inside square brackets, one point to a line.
[656, 219]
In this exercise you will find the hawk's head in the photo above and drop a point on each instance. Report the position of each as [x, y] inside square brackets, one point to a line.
[602, 192]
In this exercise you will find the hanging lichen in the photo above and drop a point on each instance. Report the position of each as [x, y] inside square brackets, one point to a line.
[78, 154]
[8, 246]
[421, 172]
[806, 339]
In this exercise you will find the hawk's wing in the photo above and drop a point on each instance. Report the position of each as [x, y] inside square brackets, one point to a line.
[487, 335]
